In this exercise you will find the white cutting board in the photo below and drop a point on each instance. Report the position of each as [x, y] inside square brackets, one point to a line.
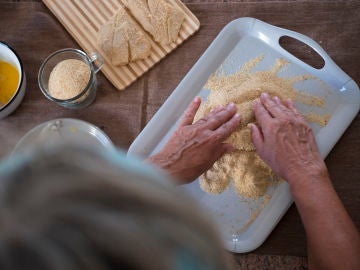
[241, 40]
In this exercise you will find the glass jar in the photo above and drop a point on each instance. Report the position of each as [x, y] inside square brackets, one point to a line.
[87, 95]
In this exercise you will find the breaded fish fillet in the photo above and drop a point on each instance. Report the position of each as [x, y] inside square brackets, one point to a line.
[158, 17]
[123, 40]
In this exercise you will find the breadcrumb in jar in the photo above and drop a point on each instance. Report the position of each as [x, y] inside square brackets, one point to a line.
[68, 79]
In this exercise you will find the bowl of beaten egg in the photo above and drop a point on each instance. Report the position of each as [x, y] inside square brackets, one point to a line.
[12, 80]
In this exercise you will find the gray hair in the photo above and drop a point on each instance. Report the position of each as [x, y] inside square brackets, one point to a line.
[74, 208]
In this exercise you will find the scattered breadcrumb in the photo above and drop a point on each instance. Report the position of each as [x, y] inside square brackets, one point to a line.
[250, 175]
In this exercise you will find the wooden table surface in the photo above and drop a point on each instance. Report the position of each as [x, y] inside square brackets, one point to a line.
[34, 32]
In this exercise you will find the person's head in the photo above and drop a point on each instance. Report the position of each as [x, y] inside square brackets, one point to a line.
[72, 208]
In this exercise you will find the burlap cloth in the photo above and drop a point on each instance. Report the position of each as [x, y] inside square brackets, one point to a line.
[35, 33]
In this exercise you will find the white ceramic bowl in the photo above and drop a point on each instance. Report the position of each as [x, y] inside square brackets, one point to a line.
[9, 55]
[62, 131]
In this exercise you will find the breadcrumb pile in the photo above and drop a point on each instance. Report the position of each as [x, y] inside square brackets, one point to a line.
[250, 175]
[68, 79]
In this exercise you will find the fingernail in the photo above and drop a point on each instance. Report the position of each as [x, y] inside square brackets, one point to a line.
[231, 105]
[237, 116]
[276, 99]
[197, 99]
[265, 95]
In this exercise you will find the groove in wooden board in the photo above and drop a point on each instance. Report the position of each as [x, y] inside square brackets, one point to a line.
[123, 73]
[67, 24]
[116, 4]
[134, 67]
[111, 9]
[83, 28]
[88, 10]
[113, 74]
[84, 18]
[187, 30]
[79, 33]
[182, 35]
[142, 65]
[103, 8]
[97, 13]
[85, 14]
[116, 75]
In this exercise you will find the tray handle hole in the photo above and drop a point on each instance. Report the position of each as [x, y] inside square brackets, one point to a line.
[302, 51]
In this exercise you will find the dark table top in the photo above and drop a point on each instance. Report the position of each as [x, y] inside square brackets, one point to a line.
[35, 33]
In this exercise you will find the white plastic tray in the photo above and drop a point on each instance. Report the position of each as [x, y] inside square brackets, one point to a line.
[240, 41]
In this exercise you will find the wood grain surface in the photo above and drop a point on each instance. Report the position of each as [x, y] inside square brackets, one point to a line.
[34, 32]
[83, 19]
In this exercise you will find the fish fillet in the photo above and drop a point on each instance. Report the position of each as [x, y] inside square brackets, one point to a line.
[105, 38]
[158, 17]
[123, 40]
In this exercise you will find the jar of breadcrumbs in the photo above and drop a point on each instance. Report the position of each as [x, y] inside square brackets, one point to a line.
[68, 77]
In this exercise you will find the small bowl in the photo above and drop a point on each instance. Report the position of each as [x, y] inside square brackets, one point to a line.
[9, 55]
[64, 130]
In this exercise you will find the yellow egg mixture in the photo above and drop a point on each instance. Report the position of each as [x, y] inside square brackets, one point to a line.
[9, 80]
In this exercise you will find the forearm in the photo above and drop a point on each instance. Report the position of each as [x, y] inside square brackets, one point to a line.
[333, 240]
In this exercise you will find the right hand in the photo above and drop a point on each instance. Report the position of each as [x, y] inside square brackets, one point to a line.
[284, 140]
[194, 147]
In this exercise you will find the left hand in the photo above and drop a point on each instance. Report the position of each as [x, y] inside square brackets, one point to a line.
[285, 141]
[193, 148]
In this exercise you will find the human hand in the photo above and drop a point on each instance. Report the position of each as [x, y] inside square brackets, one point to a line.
[193, 148]
[284, 140]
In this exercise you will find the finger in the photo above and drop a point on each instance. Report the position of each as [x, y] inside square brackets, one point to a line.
[219, 118]
[225, 148]
[313, 143]
[204, 119]
[262, 115]
[190, 112]
[277, 100]
[284, 106]
[273, 108]
[228, 148]
[213, 112]
[225, 130]
[256, 136]
[290, 104]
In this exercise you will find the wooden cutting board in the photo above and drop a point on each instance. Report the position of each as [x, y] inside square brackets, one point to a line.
[83, 18]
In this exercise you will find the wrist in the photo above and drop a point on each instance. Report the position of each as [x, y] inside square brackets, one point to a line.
[159, 161]
[308, 179]
[163, 162]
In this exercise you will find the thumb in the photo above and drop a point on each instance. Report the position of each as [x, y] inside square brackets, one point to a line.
[228, 148]
[257, 137]
[225, 148]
